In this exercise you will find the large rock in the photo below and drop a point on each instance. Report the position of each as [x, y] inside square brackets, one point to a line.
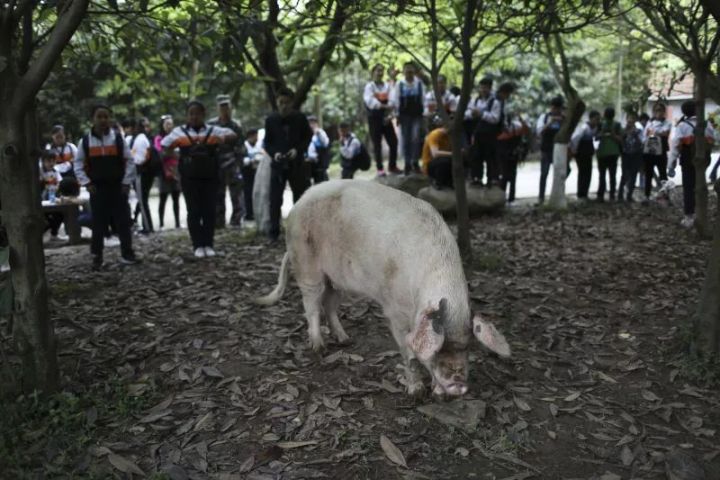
[480, 200]
[411, 184]
[261, 196]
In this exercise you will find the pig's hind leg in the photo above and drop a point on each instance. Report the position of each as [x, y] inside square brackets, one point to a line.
[331, 302]
[312, 294]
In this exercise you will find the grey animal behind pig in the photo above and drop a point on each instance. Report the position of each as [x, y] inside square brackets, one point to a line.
[361, 237]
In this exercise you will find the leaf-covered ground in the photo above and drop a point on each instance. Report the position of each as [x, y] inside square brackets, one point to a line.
[171, 372]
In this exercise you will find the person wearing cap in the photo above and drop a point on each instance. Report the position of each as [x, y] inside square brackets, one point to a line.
[63, 152]
[318, 153]
[230, 156]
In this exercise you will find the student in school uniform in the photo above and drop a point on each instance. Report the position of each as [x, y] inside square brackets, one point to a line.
[199, 166]
[656, 147]
[472, 115]
[169, 174]
[488, 128]
[253, 156]
[408, 97]
[682, 151]
[632, 147]
[139, 144]
[508, 150]
[105, 166]
[431, 105]
[582, 147]
[63, 152]
[318, 152]
[546, 128]
[377, 98]
[609, 149]
[351, 149]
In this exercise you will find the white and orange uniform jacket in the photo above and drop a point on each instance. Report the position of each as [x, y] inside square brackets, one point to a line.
[376, 95]
[177, 138]
[64, 157]
[682, 139]
[103, 159]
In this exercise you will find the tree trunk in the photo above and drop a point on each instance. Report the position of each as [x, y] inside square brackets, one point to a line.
[575, 110]
[700, 160]
[22, 216]
[706, 325]
[458, 171]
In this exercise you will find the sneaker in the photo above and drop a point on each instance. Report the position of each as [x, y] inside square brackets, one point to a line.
[200, 252]
[395, 171]
[209, 252]
[112, 241]
[381, 173]
[129, 259]
[97, 263]
[688, 221]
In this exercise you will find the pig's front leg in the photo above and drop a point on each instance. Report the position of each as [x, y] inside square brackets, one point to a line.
[414, 378]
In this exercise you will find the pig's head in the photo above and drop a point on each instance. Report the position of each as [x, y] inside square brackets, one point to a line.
[441, 346]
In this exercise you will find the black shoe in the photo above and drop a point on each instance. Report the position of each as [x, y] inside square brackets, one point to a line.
[97, 263]
[129, 259]
[250, 218]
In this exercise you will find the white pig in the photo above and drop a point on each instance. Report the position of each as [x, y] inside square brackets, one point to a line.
[361, 237]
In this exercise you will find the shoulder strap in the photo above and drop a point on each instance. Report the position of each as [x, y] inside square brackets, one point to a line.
[187, 134]
[205, 140]
[132, 141]
[86, 145]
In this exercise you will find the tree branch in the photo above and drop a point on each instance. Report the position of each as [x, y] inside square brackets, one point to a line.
[65, 26]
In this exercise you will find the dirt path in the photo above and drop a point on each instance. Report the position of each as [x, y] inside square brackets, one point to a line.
[173, 369]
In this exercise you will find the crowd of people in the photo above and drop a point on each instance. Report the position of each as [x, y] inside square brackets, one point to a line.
[207, 160]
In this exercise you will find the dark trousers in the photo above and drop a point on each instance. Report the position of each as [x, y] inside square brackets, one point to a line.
[200, 198]
[440, 170]
[411, 130]
[508, 160]
[651, 162]
[109, 206]
[714, 171]
[176, 207]
[143, 184]
[546, 160]
[318, 172]
[297, 174]
[229, 180]
[631, 163]
[584, 165]
[248, 184]
[379, 128]
[607, 165]
[54, 220]
[348, 173]
[484, 153]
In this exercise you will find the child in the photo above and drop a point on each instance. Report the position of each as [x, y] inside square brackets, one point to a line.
[632, 147]
[318, 153]
[682, 149]
[509, 150]
[437, 156]
[608, 151]
[104, 165]
[50, 180]
[63, 152]
[169, 177]
[351, 149]
[253, 155]
[199, 173]
[655, 148]
[376, 97]
[582, 147]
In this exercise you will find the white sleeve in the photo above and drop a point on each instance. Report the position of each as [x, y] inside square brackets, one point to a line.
[540, 124]
[324, 139]
[469, 109]
[169, 139]
[140, 148]
[394, 95]
[452, 103]
[79, 165]
[493, 116]
[675, 138]
[369, 98]
[429, 98]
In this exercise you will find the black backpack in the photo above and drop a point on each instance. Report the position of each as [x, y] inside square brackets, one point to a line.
[153, 165]
[361, 160]
[200, 159]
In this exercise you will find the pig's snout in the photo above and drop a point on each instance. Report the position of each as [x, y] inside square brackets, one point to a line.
[455, 389]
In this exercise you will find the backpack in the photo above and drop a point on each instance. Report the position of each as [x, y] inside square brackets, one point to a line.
[153, 165]
[411, 105]
[361, 160]
[199, 160]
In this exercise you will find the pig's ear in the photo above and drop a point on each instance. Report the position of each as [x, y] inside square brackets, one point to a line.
[428, 337]
[488, 335]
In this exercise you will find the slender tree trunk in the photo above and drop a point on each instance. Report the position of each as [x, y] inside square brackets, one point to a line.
[22, 216]
[700, 160]
[575, 110]
[461, 208]
[706, 325]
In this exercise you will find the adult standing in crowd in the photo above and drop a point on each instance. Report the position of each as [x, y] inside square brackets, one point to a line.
[230, 156]
[104, 165]
[486, 134]
[609, 149]
[169, 176]
[582, 146]
[631, 159]
[199, 173]
[547, 127]
[431, 105]
[142, 151]
[287, 136]
[376, 97]
[253, 156]
[655, 148]
[408, 96]
[318, 152]
[473, 113]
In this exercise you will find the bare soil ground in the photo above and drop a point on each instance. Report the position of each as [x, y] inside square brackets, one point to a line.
[171, 372]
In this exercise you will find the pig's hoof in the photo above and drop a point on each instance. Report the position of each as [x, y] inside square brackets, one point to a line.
[317, 345]
[416, 390]
[343, 339]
